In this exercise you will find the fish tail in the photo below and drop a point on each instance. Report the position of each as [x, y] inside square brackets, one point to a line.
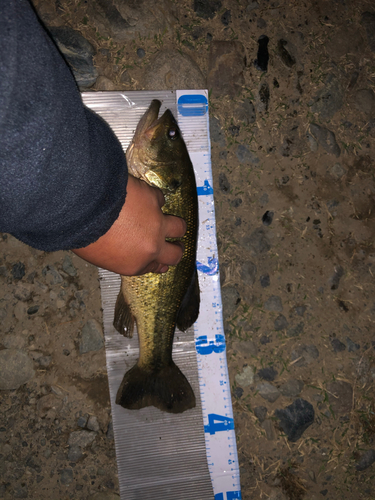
[167, 389]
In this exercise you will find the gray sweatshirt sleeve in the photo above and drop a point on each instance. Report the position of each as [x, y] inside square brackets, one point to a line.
[63, 173]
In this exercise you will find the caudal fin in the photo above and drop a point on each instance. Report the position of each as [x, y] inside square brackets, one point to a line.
[166, 389]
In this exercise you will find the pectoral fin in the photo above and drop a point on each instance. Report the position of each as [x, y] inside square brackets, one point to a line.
[189, 309]
[124, 320]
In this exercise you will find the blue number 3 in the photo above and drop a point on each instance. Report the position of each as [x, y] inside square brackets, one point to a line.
[204, 346]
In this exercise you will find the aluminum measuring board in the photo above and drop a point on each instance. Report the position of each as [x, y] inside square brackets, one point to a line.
[190, 456]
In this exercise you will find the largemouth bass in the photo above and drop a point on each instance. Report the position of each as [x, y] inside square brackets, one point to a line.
[159, 302]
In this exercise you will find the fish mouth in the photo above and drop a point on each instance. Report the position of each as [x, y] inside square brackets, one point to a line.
[149, 120]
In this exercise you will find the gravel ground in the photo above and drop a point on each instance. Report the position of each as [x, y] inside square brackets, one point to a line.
[292, 153]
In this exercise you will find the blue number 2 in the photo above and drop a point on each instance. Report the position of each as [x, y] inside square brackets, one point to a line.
[217, 423]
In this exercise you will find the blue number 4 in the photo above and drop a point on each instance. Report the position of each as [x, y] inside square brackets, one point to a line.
[217, 423]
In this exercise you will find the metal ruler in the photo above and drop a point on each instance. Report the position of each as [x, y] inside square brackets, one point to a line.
[159, 455]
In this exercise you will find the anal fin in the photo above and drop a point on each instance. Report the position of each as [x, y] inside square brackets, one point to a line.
[189, 309]
[124, 320]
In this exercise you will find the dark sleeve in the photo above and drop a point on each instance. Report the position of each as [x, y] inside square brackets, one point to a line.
[63, 173]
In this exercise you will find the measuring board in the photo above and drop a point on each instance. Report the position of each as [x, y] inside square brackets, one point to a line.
[193, 455]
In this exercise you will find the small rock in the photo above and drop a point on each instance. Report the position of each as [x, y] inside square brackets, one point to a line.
[296, 418]
[93, 424]
[125, 77]
[267, 218]
[246, 377]
[261, 62]
[337, 345]
[368, 21]
[246, 348]
[75, 453]
[265, 339]
[248, 273]
[337, 171]
[244, 155]
[227, 62]
[32, 310]
[224, 183]
[364, 101]
[245, 112]
[340, 396]
[305, 354]
[22, 291]
[325, 138]
[16, 369]
[268, 426]
[352, 346]
[44, 361]
[335, 278]
[66, 477]
[53, 277]
[257, 243]
[82, 421]
[207, 8]
[18, 270]
[261, 23]
[21, 491]
[292, 388]
[141, 53]
[216, 131]
[280, 323]
[170, 69]
[91, 337]
[269, 373]
[265, 280]
[226, 18]
[104, 83]
[295, 331]
[81, 438]
[268, 391]
[49, 406]
[263, 98]
[78, 52]
[330, 99]
[109, 432]
[230, 299]
[284, 54]
[367, 459]
[273, 304]
[238, 392]
[260, 412]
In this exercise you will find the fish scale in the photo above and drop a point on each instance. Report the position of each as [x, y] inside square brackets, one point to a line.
[193, 455]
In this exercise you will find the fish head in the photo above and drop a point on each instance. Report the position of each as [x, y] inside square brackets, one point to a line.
[157, 153]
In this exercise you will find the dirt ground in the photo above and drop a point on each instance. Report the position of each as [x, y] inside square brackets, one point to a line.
[292, 157]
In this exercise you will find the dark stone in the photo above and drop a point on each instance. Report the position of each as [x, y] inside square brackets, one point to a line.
[245, 112]
[274, 304]
[109, 433]
[66, 476]
[264, 98]
[32, 310]
[340, 396]
[257, 243]
[267, 218]
[141, 53]
[248, 273]
[300, 310]
[231, 299]
[234, 130]
[368, 21]
[244, 155]
[352, 346]
[206, 8]
[226, 18]
[269, 373]
[367, 459]
[238, 392]
[325, 138]
[18, 270]
[224, 183]
[330, 99]
[261, 23]
[305, 354]
[227, 62]
[335, 278]
[236, 202]
[261, 62]
[280, 323]
[260, 412]
[295, 331]
[78, 53]
[216, 132]
[292, 388]
[296, 418]
[265, 280]
[337, 345]
[265, 339]
[286, 58]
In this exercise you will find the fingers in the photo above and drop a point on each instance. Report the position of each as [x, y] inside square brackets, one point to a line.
[175, 227]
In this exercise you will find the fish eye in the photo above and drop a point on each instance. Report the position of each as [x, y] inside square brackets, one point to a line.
[172, 133]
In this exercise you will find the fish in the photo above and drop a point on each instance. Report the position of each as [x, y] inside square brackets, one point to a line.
[158, 302]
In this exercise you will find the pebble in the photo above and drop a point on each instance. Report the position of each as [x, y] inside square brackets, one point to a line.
[226, 18]
[246, 377]
[49, 406]
[337, 345]
[91, 337]
[295, 331]
[227, 63]
[337, 171]
[125, 77]
[104, 83]
[269, 373]
[267, 218]
[305, 354]
[109, 433]
[20, 491]
[93, 424]
[292, 388]
[246, 348]
[268, 391]
[366, 460]
[368, 21]
[328, 100]
[223, 183]
[82, 421]
[16, 369]
[352, 346]
[238, 392]
[81, 438]
[216, 131]
[245, 112]
[78, 52]
[74, 453]
[18, 270]
[230, 299]
[334, 280]
[273, 304]
[257, 243]
[263, 98]
[268, 426]
[22, 292]
[141, 53]
[340, 396]
[261, 62]
[285, 56]
[296, 418]
[325, 138]
[265, 280]
[68, 266]
[260, 412]
[280, 323]
[244, 155]
[207, 8]
[364, 101]
[53, 277]
[248, 273]
[170, 69]
[66, 476]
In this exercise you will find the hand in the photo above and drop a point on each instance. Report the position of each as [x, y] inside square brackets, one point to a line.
[135, 244]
